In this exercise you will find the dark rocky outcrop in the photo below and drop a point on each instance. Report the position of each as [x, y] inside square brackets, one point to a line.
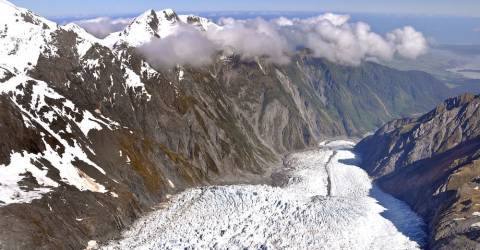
[433, 163]
[165, 130]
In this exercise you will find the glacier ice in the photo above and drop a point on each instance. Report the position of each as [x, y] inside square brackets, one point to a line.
[326, 203]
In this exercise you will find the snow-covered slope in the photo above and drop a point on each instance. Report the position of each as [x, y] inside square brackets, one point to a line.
[327, 203]
[23, 36]
[56, 119]
[65, 165]
[26, 38]
[155, 25]
[84, 39]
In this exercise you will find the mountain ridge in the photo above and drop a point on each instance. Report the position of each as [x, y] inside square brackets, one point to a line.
[431, 162]
[156, 131]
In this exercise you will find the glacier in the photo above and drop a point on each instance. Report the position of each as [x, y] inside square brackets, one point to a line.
[323, 201]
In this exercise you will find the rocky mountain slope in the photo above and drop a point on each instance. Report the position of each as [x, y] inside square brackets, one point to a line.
[93, 135]
[433, 163]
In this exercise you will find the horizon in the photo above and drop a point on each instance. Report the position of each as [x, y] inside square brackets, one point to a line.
[321, 124]
[86, 8]
[457, 29]
[461, 30]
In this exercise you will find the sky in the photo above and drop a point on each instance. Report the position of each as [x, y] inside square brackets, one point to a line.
[62, 8]
[441, 21]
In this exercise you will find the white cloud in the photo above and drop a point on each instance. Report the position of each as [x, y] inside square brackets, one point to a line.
[251, 39]
[328, 36]
[187, 46]
[103, 26]
[408, 42]
[333, 38]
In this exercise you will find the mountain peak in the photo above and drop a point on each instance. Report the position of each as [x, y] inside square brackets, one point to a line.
[168, 14]
[450, 104]
[154, 18]
[24, 33]
[154, 25]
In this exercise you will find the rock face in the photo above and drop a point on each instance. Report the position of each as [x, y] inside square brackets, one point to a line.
[433, 163]
[93, 136]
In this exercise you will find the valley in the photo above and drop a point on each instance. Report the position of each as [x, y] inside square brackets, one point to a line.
[175, 131]
[325, 202]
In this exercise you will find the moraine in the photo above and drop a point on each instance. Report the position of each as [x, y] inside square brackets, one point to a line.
[325, 202]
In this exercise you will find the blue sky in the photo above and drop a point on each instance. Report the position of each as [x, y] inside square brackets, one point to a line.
[62, 8]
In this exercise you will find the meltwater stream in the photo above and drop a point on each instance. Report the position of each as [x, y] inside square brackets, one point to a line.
[326, 202]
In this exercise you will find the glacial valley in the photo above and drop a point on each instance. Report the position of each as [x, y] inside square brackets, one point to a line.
[325, 202]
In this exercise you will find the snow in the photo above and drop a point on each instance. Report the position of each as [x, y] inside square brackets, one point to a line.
[181, 75]
[41, 113]
[92, 245]
[21, 41]
[204, 23]
[84, 39]
[166, 13]
[148, 70]
[93, 65]
[11, 191]
[306, 212]
[132, 80]
[139, 32]
[3, 73]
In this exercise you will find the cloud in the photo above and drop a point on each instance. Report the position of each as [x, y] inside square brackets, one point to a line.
[408, 42]
[328, 36]
[187, 46]
[251, 39]
[476, 29]
[332, 37]
[103, 26]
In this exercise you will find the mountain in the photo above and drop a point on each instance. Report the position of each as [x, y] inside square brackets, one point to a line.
[155, 24]
[433, 163]
[94, 136]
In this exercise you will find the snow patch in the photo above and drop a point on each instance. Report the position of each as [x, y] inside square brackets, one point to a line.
[10, 189]
[93, 65]
[171, 183]
[132, 80]
[38, 111]
[91, 245]
[181, 75]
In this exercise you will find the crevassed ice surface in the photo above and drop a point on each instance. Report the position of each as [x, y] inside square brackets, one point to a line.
[327, 203]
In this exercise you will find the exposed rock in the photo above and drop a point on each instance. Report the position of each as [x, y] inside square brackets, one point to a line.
[433, 163]
[103, 136]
